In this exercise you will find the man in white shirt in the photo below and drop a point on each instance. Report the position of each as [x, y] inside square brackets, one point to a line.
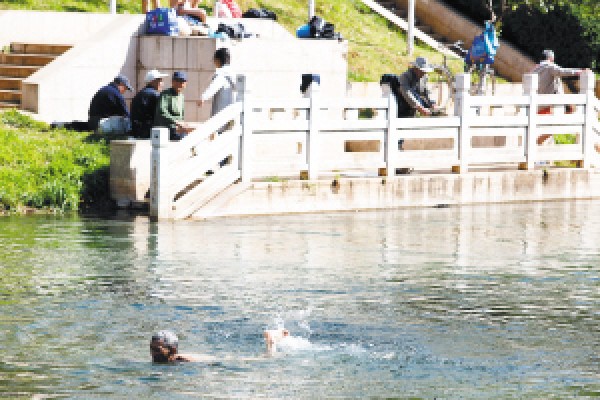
[222, 86]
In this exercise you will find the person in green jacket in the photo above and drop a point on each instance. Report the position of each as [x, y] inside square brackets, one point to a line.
[170, 108]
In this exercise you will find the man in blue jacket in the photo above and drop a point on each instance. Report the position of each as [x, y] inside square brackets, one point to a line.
[109, 102]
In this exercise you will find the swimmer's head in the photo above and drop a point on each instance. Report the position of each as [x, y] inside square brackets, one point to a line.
[163, 346]
[285, 332]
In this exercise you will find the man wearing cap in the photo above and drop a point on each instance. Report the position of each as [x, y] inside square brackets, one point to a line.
[109, 102]
[143, 105]
[170, 108]
[413, 93]
[549, 81]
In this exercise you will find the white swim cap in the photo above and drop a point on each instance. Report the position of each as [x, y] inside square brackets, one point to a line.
[168, 338]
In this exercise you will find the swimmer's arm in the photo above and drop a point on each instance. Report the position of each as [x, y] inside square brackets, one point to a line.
[196, 358]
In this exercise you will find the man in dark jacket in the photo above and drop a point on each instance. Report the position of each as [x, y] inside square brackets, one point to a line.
[109, 101]
[143, 105]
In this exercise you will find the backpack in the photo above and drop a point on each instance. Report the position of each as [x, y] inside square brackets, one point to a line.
[316, 25]
[260, 13]
[162, 21]
[484, 47]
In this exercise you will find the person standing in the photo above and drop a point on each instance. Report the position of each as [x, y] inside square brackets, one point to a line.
[143, 105]
[171, 106]
[109, 102]
[222, 86]
[550, 82]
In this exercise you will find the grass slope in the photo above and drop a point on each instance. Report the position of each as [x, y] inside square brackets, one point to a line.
[52, 169]
[375, 46]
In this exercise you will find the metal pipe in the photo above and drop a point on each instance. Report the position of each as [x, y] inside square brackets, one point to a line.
[311, 9]
[113, 6]
[411, 26]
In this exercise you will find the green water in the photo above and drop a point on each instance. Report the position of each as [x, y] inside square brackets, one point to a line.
[475, 302]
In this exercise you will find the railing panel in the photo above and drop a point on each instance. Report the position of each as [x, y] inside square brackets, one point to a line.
[440, 133]
[205, 158]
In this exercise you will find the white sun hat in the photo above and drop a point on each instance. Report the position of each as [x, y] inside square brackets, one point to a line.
[153, 74]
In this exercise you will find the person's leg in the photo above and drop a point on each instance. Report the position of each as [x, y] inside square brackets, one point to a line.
[144, 6]
[156, 4]
[195, 12]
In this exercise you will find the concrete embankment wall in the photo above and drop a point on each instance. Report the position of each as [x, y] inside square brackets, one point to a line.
[410, 191]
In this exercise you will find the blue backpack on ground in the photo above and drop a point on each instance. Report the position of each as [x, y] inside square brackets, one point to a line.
[162, 21]
[484, 47]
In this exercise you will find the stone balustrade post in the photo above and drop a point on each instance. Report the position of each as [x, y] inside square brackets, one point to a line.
[530, 85]
[390, 146]
[463, 111]
[588, 84]
[246, 122]
[161, 206]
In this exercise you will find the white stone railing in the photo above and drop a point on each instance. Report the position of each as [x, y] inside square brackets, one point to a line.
[315, 137]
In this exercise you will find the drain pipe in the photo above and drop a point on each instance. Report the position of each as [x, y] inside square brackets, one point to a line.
[113, 6]
[411, 26]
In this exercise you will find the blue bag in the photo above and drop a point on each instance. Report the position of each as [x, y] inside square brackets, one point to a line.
[303, 32]
[484, 47]
[162, 21]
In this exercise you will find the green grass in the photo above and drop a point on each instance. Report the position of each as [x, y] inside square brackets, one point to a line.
[375, 46]
[50, 169]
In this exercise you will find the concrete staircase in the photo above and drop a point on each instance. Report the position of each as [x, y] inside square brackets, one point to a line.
[23, 60]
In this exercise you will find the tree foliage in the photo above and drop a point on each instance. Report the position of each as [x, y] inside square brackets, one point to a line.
[571, 28]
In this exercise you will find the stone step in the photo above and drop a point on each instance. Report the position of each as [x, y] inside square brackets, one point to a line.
[10, 104]
[38, 48]
[10, 95]
[17, 71]
[27, 59]
[10, 83]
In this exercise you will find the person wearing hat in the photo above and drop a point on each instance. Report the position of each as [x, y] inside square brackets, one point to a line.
[412, 89]
[143, 105]
[171, 106]
[550, 82]
[109, 102]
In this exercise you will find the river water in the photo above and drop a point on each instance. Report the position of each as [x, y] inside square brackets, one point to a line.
[499, 301]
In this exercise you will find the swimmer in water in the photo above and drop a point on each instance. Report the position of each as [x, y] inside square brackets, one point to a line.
[164, 347]
[273, 337]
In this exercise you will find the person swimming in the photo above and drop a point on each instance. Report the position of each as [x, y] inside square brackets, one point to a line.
[164, 347]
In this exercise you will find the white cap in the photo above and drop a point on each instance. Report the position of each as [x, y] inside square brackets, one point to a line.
[152, 75]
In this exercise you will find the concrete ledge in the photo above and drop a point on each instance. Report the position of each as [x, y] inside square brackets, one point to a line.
[411, 191]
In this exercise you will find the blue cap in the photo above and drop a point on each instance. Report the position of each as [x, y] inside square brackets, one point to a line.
[180, 76]
[122, 80]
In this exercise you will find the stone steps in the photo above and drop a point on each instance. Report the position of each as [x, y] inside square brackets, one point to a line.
[9, 104]
[7, 82]
[26, 59]
[38, 48]
[10, 95]
[23, 60]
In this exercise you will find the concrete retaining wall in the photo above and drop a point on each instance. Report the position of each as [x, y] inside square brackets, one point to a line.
[272, 66]
[411, 191]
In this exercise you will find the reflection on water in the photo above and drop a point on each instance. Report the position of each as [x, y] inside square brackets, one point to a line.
[474, 302]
